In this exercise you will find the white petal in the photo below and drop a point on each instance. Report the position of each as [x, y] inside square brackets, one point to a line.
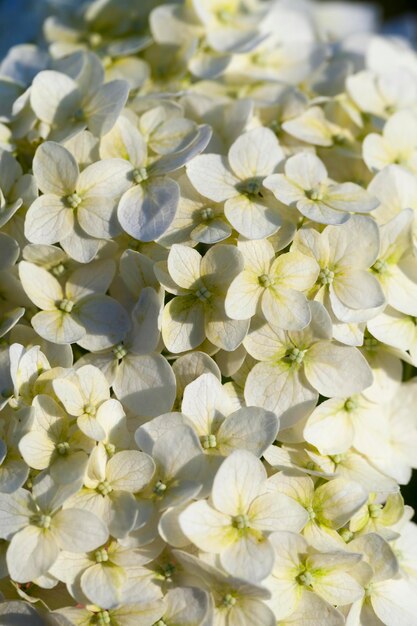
[54, 97]
[130, 470]
[109, 178]
[48, 220]
[106, 105]
[145, 384]
[279, 388]
[55, 169]
[104, 320]
[77, 530]
[42, 288]
[255, 153]
[239, 480]
[146, 211]
[211, 177]
[30, 554]
[207, 528]
[336, 370]
[57, 327]
[102, 584]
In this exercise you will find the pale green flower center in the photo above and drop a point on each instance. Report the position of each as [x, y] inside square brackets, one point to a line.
[265, 281]
[351, 404]
[58, 270]
[346, 534]
[79, 115]
[305, 579]
[119, 351]
[370, 343]
[63, 448]
[66, 305]
[240, 522]
[101, 556]
[326, 276]
[168, 571]
[103, 617]
[139, 175]
[317, 194]
[228, 601]
[337, 458]
[160, 622]
[110, 448]
[73, 200]
[311, 513]
[374, 510]
[104, 488]
[251, 186]
[203, 293]
[90, 409]
[380, 266]
[206, 214]
[95, 39]
[225, 15]
[42, 521]
[160, 488]
[209, 441]
[296, 356]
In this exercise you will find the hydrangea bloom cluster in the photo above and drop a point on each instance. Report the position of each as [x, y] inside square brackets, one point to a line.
[208, 317]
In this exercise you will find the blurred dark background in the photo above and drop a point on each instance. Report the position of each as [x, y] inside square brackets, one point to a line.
[20, 21]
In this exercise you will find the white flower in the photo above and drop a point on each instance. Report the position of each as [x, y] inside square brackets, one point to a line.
[39, 528]
[197, 311]
[305, 185]
[53, 443]
[300, 571]
[238, 181]
[237, 523]
[80, 313]
[277, 284]
[397, 144]
[296, 366]
[344, 284]
[69, 105]
[76, 209]
[109, 485]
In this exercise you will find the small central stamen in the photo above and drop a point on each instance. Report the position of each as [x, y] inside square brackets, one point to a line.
[380, 266]
[251, 186]
[265, 281]
[203, 293]
[311, 513]
[209, 441]
[240, 522]
[103, 618]
[206, 214]
[326, 276]
[119, 351]
[296, 356]
[90, 409]
[374, 510]
[66, 306]
[229, 601]
[73, 200]
[104, 488]
[42, 521]
[139, 175]
[101, 556]
[305, 579]
[63, 448]
[159, 488]
[58, 270]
